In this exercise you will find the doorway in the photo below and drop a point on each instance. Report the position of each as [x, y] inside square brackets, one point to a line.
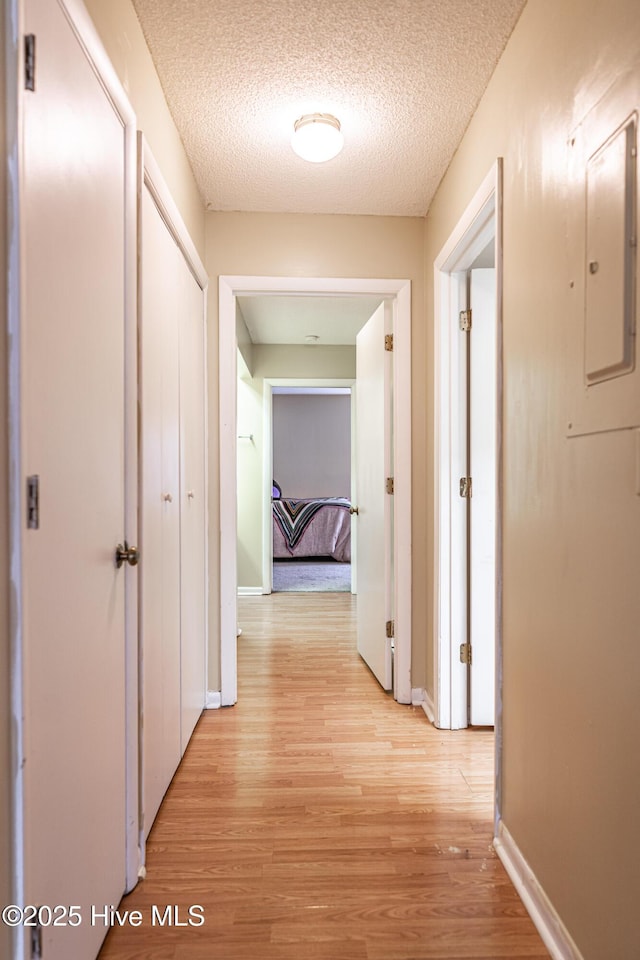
[398, 293]
[467, 562]
[311, 457]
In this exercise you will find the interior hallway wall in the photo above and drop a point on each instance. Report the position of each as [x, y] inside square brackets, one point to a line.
[571, 604]
[122, 36]
[307, 245]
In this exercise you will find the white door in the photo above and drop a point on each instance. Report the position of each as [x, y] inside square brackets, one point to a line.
[73, 347]
[483, 503]
[173, 512]
[374, 518]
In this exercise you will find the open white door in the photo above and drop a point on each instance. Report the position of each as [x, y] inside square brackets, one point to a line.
[374, 518]
[78, 431]
[483, 503]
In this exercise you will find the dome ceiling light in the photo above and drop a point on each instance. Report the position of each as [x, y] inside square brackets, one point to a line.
[317, 137]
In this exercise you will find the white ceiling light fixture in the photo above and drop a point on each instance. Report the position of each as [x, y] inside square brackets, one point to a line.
[317, 137]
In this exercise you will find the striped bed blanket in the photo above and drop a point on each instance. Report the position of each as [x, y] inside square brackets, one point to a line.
[294, 516]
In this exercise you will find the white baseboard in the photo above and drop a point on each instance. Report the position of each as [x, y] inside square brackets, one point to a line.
[250, 591]
[420, 698]
[555, 935]
[214, 700]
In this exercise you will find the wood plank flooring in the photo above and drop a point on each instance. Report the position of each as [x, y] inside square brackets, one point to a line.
[320, 820]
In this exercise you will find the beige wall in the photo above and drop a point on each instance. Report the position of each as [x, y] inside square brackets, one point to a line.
[282, 361]
[121, 34]
[270, 361]
[571, 767]
[5, 711]
[304, 245]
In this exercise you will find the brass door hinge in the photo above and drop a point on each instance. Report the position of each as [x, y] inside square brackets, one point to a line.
[390, 485]
[33, 502]
[391, 629]
[465, 653]
[388, 342]
[36, 941]
[466, 487]
[465, 320]
[30, 61]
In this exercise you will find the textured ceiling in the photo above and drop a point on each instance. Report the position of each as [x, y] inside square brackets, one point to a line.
[402, 76]
[335, 320]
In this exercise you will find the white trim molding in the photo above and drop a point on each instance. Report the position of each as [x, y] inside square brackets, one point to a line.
[250, 591]
[213, 701]
[480, 222]
[420, 698]
[553, 932]
[313, 383]
[399, 292]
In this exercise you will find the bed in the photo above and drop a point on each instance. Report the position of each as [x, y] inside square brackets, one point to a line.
[319, 527]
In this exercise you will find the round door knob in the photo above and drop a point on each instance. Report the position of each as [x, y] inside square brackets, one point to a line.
[168, 498]
[127, 554]
[353, 510]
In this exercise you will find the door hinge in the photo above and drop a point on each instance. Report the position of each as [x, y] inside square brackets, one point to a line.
[465, 320]
[390, 485]
[36, 941]
[391, 629]
[33, 502]
[30, 61]
[465, 653]
[388, 342]
[465, 487]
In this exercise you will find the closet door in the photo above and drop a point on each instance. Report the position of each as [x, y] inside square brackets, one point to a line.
[193, 504]
[160, 510]
[173, 495]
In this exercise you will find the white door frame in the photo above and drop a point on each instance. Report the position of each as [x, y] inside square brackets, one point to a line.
[480, 222]
[267, 459]
[399, 292]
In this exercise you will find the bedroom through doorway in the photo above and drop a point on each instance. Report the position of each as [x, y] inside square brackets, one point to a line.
[295, 450]
[311, 489]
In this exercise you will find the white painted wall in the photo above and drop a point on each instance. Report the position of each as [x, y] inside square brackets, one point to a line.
[312, 445]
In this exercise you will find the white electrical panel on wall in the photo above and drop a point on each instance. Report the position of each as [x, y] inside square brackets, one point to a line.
[604, 383]
[609, 312]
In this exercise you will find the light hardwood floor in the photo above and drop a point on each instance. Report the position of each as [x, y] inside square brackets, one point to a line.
[320, 820]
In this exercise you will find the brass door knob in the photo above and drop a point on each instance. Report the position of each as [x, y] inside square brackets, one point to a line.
[353, 510]
[130, 555]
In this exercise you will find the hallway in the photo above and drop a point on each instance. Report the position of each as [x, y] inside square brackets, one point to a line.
[320, 819]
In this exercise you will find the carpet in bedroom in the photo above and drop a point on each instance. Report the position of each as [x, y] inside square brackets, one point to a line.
[311, 576]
